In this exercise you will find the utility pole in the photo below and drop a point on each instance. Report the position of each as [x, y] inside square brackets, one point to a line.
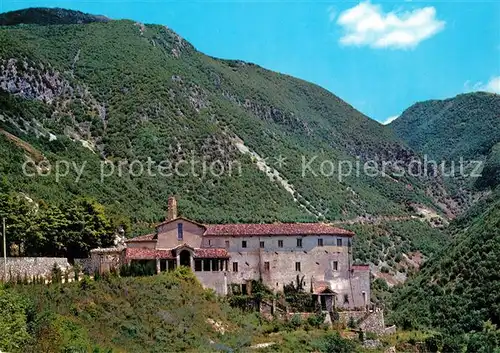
[4, 251]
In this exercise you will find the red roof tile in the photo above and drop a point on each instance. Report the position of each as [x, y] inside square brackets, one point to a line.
[211, 253]
[275, 229]
[140, 238]
[147, 254]
[150, 254]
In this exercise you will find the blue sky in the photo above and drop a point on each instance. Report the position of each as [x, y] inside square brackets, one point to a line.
[380, 56]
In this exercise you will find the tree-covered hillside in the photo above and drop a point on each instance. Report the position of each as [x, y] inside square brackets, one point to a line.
[459, 134]
[120, 91]
[466, 126]
[47, 16]
[491, 171]
[458, 291]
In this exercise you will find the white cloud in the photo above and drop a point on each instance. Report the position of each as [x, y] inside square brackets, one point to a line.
[367, 24]
[389, 120]
[493, 86]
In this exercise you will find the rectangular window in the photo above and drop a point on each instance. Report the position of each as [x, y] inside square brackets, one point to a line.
[339, 242]
[297, 266]
[320, 242]
[227, 244]
[180, 231]
[280, 243]
[206, 265]
[209, 242]
[244, 244]
[215, 265]
[197, 265]
[266, 266]
[335, 265]
[235, 267]
[262, 245]
[299, 243]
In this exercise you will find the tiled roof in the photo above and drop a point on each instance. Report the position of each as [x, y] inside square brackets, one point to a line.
[147, 237]
[148, 254]
[275, 229]
[180, 218]
[107, 250]
[360, 267]
[211, 253]
[183, 246]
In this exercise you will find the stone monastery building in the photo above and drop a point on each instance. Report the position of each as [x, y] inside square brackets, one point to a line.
[225, 255]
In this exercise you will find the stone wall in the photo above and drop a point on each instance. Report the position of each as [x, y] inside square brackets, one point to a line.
[87, 266]
[104, 260]
[31, 266]
[218, 281]
[345, 316]
[371, 321]
[374, 323]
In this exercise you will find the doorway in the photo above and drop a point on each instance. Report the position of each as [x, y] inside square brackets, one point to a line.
[185, 258]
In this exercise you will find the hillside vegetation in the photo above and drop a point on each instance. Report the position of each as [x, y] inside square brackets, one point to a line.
[465, 126]
[459, 134]
[458, 291]
[124, 91]
[48, 16]
[170, 312]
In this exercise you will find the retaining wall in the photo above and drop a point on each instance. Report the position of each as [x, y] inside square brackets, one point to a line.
[31, 266]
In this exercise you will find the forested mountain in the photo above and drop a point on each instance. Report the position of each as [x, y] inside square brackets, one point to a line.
[460, 135]
[458, 290]
[48, 16]
[465, 126]
[123, 91]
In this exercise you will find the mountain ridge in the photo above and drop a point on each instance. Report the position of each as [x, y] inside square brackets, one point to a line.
[48, 16]
[323, 122]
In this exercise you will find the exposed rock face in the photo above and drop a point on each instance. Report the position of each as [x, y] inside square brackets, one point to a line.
[38, 81]
[32, 81]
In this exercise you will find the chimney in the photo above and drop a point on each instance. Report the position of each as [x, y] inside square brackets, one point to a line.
[172, 209]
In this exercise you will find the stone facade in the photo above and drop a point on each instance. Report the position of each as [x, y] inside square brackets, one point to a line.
[222, 256]
[280, 261]
[102, 260]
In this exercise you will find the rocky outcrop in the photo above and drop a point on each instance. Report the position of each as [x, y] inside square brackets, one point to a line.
[73, 109]
[32, 81]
